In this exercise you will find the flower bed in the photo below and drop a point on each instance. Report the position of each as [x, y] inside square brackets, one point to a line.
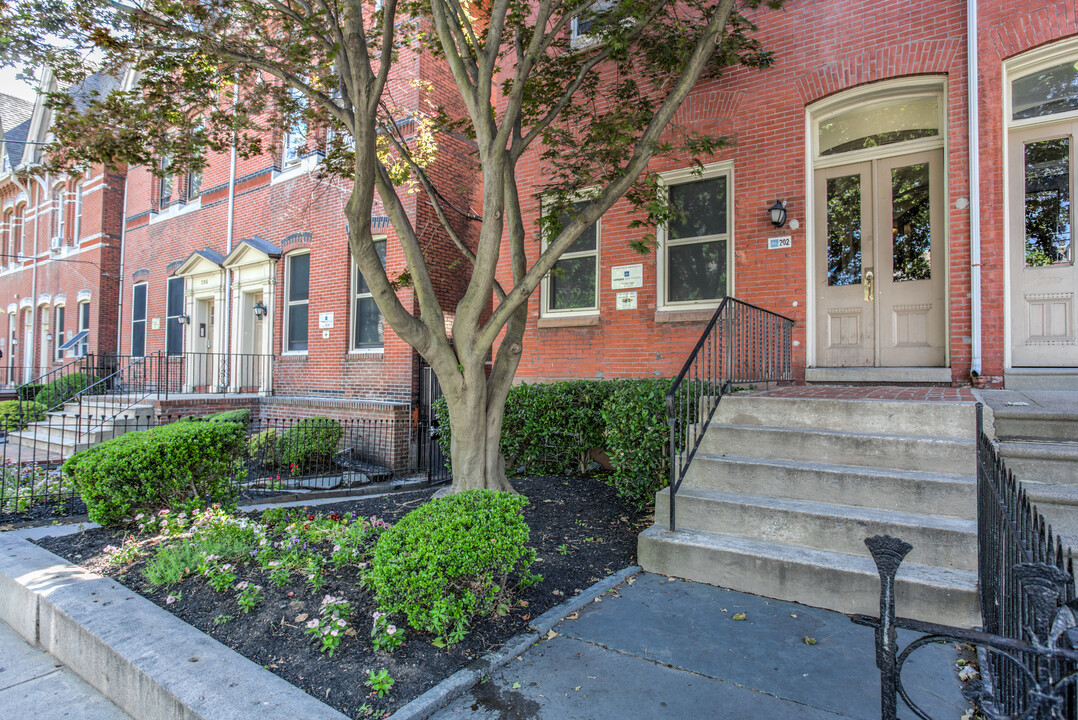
[299, 605]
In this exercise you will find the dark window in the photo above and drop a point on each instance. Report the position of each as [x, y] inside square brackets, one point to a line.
[297, 299]
[138, 320]
[173, 312]
[368, 328]
[84, 325]
[58, 333]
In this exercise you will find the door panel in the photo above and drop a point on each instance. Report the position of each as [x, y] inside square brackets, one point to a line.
[1043, 275]
[844, 254]
[910, 286]
[880, 263]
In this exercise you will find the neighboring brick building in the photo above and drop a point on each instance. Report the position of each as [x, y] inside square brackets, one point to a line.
[242, 273]
[59, 249]
[861, 128]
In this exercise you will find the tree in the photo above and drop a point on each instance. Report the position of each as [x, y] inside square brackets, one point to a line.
[591, 85]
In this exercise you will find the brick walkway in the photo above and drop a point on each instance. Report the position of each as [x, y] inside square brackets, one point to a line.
[874, 392]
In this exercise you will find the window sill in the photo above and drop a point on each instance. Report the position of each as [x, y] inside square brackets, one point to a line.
[303, 167]
[176, 209]
[701, 315]
[364, 354]
[293, 357]
[556, 321]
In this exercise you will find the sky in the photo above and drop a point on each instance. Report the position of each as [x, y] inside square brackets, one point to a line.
[12, 86]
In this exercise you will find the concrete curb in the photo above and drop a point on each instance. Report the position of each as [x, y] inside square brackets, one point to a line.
[462, 681]
[148, 662]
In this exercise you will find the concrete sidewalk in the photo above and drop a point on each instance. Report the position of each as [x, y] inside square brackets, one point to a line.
[36, 686]
[671, 649]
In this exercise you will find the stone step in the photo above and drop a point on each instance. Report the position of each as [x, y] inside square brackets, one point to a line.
[76, 432]
[881, 488]
[41, 442]
[938, 419]
[819, 578]
[944, 542]
[1041, 379]
[1033, 423]
[863, 449]
[1042, 462]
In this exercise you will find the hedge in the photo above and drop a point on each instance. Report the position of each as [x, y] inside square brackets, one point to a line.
[240, 415]
[54, 394]
[550, 429]
[16, 414]
[175, 465]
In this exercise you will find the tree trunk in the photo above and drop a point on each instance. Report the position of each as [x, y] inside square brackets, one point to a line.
[475, 441]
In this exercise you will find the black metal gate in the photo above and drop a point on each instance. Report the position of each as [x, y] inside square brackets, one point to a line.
[431, 456]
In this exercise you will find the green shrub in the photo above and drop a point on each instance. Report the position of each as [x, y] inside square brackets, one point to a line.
[56, 393]
[263, 447]
[451, 559]
[638, 437]
[309, 442]
[240, 415]
[177, 465]
[28, 392]
[16, 414]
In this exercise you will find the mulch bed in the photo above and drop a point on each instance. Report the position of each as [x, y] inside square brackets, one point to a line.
[581, 533]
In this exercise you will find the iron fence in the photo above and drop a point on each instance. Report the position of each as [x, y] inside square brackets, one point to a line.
[742, 344]
[219, 373]
[279, 457]
[1028, 649]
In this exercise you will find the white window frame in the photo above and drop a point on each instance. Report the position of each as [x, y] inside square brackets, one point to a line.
[545, 291]
[20, 220]
[145, 315]
[1027, 64]
[78, 215]
[583, 41]
[679, 177]
[57, 198]
[58, 331]
[356, 295]
[288, 303]
[83, 347]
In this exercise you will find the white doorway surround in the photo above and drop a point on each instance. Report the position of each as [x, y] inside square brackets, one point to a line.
[205, 366]
[253, 264]
[876, 250]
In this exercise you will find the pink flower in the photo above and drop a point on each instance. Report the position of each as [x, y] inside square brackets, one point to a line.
[390, 629]
[170, 599]
[312, 623]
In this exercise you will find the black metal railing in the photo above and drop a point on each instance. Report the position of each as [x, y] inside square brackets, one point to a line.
[111, 396]
[742, 343]
[1028, 649]
[279, 457]
[220, 373]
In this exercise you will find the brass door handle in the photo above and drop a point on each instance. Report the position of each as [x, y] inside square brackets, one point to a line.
[870, 286]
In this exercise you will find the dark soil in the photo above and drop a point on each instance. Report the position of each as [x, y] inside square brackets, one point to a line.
[581, 533]
[69, 507]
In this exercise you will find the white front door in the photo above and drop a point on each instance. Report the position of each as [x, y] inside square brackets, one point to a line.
[880, 263]
[1043, 275]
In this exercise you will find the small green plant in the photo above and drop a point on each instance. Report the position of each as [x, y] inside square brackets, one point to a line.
[313, 569]
[452, 559]
[380, 682]
[563, 549]
[222, 619]
[127, 553]
[250, 596]
[330, 628]
[219, 575]
[385, 635]
[280, 574]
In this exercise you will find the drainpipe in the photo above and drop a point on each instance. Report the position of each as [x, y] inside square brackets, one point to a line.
[974, 189]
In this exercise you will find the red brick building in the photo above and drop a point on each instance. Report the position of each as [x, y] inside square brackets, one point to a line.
[59, 249]
[895, 267]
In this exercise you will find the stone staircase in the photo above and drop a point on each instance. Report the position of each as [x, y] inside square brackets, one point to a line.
[1037, 431]
[784, 490]
[65, 432]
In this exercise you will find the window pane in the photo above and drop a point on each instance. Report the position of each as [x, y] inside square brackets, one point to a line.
[138, 306]
[175, 297]
[844, 230]
[173, 336]
[299, 268]
[911, 241]
[361, 284]
[697, 271]
[572, 284]
[297, 327]
[1050, 91]
[586, 241]
[194, 185]
[369, 327]
[699, 208]
[1048, 202]
[877, 124]
[84, 316]
[138, 338]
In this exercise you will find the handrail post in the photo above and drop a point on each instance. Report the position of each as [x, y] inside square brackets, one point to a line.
[672, 422]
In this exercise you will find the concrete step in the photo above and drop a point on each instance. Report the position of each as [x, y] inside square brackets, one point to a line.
[1041, 379]
[881, 488]
[944, 542]
[1027, 424]
[863, 449]
[938, 419]
[846, 583]
[41, 442]
[105, 408]
[76, 432]
[1042, 462]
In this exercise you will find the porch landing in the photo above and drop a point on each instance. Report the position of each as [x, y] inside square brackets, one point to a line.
[872, 392]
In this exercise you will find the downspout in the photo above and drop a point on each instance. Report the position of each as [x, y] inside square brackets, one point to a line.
[229, 329]
[974, 189]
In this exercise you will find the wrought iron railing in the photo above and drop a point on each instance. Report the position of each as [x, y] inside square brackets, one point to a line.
[742, 343]
[113, 395]
[29, 390]
[220, 373]
[1028, 649]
